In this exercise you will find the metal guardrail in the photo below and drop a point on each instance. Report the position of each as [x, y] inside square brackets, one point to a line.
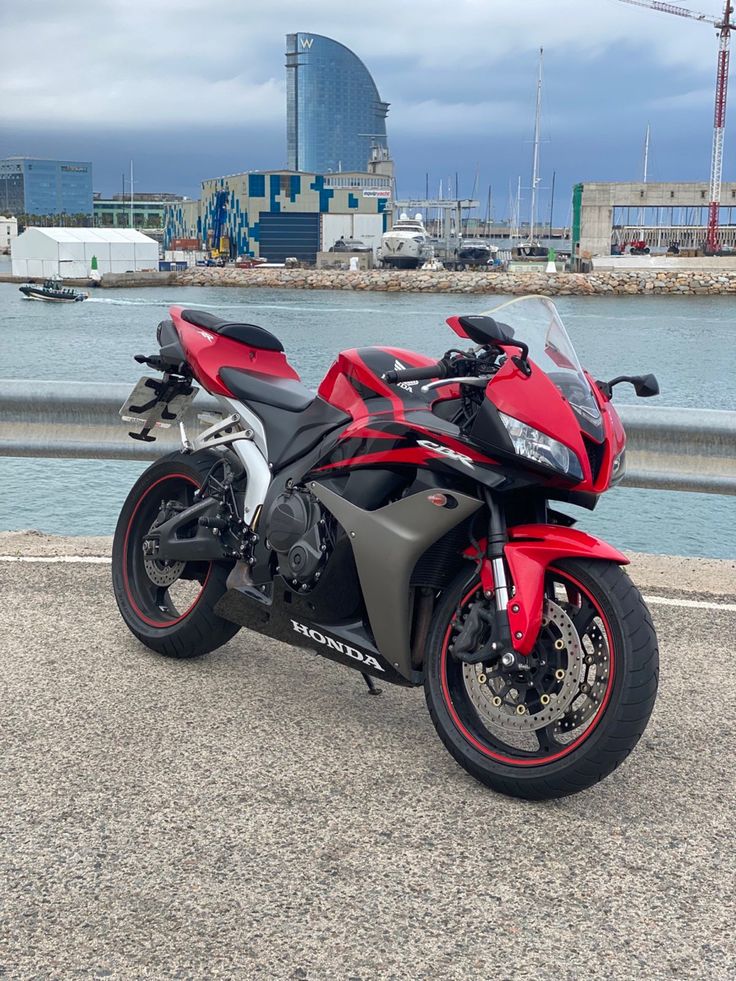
[668, 449]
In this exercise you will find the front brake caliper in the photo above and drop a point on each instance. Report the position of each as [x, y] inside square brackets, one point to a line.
[467, 646]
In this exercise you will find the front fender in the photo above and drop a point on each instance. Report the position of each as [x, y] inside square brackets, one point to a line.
[531, 550]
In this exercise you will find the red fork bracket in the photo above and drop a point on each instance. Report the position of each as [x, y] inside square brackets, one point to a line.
[486, 575]
[531, 550]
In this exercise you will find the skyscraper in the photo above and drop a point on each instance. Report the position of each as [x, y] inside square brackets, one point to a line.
[334, 112]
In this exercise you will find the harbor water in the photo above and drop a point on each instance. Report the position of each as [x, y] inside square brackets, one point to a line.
[688, 342]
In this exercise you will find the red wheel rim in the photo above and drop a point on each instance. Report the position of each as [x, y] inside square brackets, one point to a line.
[134, 577]
[492, 747]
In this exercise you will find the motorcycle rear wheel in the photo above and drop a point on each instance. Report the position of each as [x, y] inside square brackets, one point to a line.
[579, 714]
[169, 607]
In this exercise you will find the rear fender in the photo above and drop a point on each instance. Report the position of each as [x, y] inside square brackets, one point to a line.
[531, 550]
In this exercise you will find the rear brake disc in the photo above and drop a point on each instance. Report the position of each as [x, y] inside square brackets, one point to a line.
[161, 573]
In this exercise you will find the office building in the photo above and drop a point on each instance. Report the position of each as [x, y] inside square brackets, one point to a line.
[31, 186]
[148, 210]
[334, 112]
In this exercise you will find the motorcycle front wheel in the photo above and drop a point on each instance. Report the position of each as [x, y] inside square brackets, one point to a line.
[169, 606]
[580, 707]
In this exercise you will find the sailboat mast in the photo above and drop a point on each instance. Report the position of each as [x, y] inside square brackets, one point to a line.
[646, 178]
[535, 163]
[517, 213]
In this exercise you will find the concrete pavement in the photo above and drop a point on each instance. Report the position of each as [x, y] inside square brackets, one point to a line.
[256, 814]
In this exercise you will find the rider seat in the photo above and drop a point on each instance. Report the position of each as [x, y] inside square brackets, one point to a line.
[245, 333]
[251, 386]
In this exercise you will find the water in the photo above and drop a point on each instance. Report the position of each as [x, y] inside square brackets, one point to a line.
[688, 342]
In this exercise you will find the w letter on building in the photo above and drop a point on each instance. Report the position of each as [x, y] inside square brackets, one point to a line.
[307, 42]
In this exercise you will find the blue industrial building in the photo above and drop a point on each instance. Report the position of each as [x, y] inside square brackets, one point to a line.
[334, 112]
[32, 186]
[278, 214]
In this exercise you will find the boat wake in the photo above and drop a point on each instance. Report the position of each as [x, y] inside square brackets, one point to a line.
[181, 301]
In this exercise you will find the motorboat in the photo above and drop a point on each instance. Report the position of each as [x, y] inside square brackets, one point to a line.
[529, 251]
[476, 252]
[406, 245]
[54, 291]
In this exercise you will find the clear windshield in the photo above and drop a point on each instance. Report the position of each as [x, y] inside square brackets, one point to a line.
[535, 320]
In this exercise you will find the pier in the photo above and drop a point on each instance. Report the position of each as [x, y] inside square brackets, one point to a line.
[256, 814]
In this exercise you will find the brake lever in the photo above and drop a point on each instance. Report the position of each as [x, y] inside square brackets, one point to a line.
[479, 381]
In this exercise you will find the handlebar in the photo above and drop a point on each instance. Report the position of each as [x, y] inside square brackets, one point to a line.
[438, 370]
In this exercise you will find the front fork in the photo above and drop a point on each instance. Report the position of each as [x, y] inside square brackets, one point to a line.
[497, 583]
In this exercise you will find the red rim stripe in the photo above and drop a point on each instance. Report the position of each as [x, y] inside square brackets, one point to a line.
[126, 583]
[537, 761]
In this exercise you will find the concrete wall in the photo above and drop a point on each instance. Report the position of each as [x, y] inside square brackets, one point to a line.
[341, 260]
[667, 263]
[599, 200]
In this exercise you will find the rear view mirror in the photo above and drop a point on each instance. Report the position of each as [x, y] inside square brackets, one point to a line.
[486, 330]
[645, 386]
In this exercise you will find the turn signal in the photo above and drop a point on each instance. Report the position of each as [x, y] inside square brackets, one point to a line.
[439, 500]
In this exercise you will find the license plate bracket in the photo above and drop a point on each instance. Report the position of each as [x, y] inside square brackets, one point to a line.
[156, 403]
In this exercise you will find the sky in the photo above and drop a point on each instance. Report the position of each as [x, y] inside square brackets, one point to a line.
[191, 90]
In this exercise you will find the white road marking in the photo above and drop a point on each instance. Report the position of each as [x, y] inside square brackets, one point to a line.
[90, 559]
[692, 604]
[103, 560]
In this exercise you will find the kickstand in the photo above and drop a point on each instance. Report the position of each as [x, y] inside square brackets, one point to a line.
[372, 690]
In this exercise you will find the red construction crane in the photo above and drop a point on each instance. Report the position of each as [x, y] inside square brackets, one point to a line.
[724, 26]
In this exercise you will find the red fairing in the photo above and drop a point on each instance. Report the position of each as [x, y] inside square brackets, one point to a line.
[454, 322]
[336, 387]
[536, 401]
[615, 435]
[531, 550]
[207, 353]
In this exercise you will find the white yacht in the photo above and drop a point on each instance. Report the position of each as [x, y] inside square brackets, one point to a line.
[406, 245]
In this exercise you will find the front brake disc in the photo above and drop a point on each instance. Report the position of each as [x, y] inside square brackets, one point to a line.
[492, 694]
[596, 671]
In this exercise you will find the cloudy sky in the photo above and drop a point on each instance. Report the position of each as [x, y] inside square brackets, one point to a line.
[190, 89]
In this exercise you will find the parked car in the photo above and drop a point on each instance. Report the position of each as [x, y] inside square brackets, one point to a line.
[350, 245]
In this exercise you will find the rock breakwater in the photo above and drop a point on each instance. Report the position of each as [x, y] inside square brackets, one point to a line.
[680, 283]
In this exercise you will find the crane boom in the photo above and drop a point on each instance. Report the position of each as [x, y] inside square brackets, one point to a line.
[724, 27]
[719, 130]
[670, 8]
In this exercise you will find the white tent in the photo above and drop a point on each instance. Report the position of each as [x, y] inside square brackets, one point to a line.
[68, 252]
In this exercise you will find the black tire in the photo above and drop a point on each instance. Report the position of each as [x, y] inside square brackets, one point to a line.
[156, 618]
[629, 669]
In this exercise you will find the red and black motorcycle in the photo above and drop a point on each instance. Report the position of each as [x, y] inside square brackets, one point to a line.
[401, 522]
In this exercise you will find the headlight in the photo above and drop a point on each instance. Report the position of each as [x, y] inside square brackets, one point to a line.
[530, 443]
[618, 468]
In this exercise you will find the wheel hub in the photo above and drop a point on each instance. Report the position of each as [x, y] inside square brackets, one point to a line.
[161, 572]
[524, 702]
